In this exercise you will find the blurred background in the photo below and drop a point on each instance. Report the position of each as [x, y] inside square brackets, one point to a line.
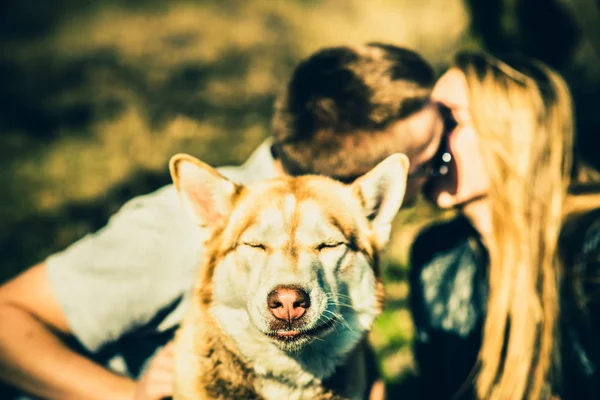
[96, 96]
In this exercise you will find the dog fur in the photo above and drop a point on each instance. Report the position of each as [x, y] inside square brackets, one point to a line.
[311, 234]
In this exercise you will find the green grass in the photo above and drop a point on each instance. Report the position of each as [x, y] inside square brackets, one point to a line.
[100, 97]
[391, 336]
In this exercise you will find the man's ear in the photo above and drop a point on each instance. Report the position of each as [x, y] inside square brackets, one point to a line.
[205, 193]
[382, 190]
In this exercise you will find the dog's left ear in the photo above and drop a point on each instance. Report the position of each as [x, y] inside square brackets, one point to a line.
[204, 192]
[382, 190]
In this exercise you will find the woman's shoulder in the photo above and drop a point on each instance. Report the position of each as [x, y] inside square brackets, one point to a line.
[580, 252]
[580, 245]
[591, 241]
[438, 238]
[580, 303]
[447, 282]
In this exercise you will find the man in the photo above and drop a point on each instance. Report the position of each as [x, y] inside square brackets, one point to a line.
[119, 294]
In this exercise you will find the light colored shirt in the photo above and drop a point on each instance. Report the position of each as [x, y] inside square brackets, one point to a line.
[124, 288]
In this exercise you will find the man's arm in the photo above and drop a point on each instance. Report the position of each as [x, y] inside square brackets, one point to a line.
[104, 286]
[33, 355]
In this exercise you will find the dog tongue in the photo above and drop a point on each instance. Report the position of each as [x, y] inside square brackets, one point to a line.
[288, 333]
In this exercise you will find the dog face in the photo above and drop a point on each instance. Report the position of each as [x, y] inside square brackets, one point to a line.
[293, 262]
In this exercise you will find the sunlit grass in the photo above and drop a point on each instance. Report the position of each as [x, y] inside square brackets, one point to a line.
[240, 51]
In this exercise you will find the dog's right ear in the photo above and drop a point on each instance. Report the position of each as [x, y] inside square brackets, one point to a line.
[204, 192]
[382, 191]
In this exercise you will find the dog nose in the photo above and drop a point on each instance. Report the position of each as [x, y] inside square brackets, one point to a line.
[288, 303]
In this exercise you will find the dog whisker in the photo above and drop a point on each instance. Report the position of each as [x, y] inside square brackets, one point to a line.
[334, 295]
[346, 305]
[341, 318]
[342, 304]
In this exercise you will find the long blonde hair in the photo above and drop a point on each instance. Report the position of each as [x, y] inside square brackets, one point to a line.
[523, 114]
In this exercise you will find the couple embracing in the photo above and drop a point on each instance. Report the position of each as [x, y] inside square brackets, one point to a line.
[504, 297]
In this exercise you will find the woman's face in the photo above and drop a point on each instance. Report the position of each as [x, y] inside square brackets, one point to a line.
[466, 179]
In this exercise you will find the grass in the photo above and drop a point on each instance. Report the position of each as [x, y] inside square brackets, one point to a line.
[392, 334]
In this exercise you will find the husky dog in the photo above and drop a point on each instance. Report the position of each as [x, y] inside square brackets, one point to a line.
[289, 285]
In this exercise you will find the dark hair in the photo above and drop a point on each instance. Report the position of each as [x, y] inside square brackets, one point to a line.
[332, 117]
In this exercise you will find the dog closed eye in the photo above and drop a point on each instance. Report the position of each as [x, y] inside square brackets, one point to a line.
[330, 245]
[254, 245]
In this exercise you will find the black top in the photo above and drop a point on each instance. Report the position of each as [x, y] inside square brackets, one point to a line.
[449, 297]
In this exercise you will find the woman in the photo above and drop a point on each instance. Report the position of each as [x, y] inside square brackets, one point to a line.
[501, 310]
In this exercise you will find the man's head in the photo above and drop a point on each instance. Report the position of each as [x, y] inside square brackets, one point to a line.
[346, 109]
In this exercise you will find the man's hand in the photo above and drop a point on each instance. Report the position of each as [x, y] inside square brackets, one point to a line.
[157, 381]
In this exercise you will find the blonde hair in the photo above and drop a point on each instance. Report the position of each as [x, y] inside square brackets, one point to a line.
[523, 114]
